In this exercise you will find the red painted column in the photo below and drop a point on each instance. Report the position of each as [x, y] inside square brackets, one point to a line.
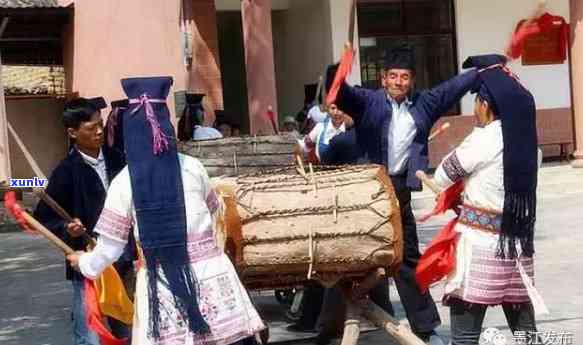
[259, 63]
[204, 76]
[577, 77]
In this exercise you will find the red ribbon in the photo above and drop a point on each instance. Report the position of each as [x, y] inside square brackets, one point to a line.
[270, 114]
[16, 211]
[95, 318]
[438, 260]
[343, 71]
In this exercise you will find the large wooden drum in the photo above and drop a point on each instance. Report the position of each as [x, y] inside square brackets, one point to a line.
[242, 155]
[284, 228]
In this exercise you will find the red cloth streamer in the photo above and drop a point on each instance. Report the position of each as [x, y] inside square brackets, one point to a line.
[16, 211]
[438, 260]
[95, 318]
[271, 117]
[542, 24]
[341, 74]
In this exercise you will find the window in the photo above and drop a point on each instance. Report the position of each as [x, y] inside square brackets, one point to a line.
[427, 25]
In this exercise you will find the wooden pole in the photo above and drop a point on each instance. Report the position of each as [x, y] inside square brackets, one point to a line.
[369, 282]
[319, 91]
[428, 182]
[438, 131]
[5, 168]
[401, 333]
[351, 22]
[52, 204]
[35, 168]
[352, 324]
[60, 211]
[57, 242]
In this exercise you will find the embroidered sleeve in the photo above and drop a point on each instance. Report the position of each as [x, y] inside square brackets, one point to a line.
[113, 225]
[453, 168]
[116, 220]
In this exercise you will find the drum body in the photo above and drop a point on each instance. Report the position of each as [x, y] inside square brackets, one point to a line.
[285, 228]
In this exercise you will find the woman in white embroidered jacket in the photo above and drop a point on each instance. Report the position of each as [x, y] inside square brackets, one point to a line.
[494, 252]
[187, 290]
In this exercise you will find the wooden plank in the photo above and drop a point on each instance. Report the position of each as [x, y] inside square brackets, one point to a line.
[5, 168]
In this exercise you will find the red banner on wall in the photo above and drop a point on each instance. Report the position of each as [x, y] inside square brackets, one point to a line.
[541, 41]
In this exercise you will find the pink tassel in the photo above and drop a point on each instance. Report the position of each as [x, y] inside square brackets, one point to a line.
[159, 139]
[111, 124]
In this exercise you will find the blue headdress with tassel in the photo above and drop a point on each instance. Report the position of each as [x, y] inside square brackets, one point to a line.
[514, 105]
[158, 198]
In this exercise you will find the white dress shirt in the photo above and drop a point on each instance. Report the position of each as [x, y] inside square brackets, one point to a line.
[206, 133]
[317, 135]
[98, 164]
[402, 131]
[317, 115]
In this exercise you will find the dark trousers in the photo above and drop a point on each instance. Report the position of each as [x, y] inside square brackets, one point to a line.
[311, 305]
[467, 319]
[420, 308]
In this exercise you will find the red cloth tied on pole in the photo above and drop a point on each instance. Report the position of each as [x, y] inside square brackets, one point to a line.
[438, 260]
[12, 206]
[270, 115]
[95, 317]
[343, 71]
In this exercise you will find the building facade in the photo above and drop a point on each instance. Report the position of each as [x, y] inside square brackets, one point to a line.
[248, 55]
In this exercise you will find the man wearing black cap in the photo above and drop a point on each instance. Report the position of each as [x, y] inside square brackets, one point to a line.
[191, 124]
[114, 125]
[302, 116]
[79, 184]
[393, 125]
[498, 165]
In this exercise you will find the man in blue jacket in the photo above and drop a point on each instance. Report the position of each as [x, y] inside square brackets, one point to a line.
[392, 126]
[79, 184]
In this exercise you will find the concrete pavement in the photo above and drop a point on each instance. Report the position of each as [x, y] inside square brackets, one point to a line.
[35, 299]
